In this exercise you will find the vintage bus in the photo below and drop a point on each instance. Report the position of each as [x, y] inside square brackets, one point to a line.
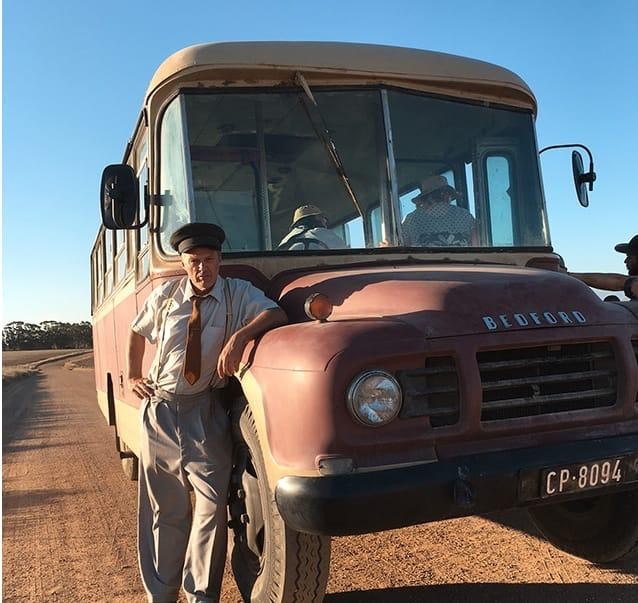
[418, 379]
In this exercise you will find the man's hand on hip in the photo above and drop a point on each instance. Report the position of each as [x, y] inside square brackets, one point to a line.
[141, 387]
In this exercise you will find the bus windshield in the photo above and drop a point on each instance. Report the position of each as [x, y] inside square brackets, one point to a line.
[247, 160]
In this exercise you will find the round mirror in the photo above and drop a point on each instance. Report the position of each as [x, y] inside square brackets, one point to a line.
[579, 182]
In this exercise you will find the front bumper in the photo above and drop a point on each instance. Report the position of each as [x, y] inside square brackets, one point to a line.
[359, 503]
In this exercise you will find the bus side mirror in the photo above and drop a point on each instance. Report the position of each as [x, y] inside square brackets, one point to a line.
[582, 178]
[119, 197]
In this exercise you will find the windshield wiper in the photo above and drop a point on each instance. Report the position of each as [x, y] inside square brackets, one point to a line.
[323, 134]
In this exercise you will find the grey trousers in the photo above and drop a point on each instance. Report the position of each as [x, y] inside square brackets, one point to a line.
[185, 445]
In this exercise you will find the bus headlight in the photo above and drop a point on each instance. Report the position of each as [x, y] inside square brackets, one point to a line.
[374, 398]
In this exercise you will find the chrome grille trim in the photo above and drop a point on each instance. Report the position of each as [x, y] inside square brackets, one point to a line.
[542, 380]
[431, 391]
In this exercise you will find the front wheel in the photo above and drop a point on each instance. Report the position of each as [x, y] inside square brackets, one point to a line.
[600, 529]
[130, 463]
[130, 466]
[270, 561]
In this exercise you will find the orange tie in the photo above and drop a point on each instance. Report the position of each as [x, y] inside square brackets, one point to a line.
[193, 357]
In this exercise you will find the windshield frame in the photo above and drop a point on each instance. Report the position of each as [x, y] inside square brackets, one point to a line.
[389, 203]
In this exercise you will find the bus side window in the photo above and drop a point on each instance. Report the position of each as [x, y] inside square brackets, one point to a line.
[97, 276]
[108, 262]
[142, 247]
[99, 270]
[121, 259]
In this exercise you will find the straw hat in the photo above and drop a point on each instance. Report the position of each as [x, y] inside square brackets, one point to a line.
[434, 183]
[304, 211]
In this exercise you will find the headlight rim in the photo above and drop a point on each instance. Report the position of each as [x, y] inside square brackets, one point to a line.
[357, 381]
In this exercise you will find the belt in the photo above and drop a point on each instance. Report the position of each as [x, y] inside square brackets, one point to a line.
[206, 394]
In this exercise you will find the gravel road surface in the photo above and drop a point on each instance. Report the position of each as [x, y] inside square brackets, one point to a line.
[69, 526]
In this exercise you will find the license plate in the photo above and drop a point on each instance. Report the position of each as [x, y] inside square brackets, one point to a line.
[588, 476]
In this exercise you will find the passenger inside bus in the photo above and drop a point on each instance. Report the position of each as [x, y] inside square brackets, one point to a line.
[436, 222]
[309, 231]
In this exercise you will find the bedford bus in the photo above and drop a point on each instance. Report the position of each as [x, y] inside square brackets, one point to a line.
[414, 382]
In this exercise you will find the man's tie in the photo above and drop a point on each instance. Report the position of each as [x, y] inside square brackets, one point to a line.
[193, 357]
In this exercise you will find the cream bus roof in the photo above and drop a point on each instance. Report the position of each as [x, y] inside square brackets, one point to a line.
[436, 71]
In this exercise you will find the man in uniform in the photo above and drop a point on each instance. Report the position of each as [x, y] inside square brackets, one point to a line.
[200, 325]
[617, 282]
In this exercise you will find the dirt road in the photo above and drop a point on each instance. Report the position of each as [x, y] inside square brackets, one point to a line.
[69, 526]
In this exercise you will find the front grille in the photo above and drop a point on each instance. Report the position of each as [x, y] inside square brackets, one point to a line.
[431, 391]
[545, 380]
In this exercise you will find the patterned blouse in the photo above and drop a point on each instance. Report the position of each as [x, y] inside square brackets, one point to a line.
[438, 225]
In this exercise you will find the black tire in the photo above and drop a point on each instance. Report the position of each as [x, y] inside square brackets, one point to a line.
[601, 529]
[270, 561]
[130, 464]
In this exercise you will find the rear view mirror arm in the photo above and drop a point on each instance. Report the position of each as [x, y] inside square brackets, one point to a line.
[590, 176]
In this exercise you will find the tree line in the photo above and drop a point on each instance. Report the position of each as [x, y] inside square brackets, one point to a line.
[48, 335]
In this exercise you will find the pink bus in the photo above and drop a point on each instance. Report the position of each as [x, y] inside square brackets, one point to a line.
[438, 363]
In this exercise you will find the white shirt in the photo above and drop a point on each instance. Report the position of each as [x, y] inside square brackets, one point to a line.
[165, 323]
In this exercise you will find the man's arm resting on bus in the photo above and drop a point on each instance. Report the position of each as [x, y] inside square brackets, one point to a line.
[230, 357]
[137, 383]
[600, 280]
[631, 287]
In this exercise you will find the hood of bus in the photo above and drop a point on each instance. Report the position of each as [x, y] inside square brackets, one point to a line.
[452, 300]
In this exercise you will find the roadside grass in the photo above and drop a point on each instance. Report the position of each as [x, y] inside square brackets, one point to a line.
[20, 364]
[20, 357]
[13, 373]
[85, 361]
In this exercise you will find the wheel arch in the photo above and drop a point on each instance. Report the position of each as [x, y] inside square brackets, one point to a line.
[253, 396]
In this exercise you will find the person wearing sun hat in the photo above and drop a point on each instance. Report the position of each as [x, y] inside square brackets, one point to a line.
[200, 325]
[617, 282]
[436, 222]
[309, 231]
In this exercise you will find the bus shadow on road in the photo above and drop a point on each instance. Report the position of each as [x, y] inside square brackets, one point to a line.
[25, 447]
[519, 520]
[489, 593]
[13, 500]
[19, 401]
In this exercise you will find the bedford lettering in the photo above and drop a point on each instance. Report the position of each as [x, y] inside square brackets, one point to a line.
[534, 319]
[489, 323]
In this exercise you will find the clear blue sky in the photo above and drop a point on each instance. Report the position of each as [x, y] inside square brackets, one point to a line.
[75, 73]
